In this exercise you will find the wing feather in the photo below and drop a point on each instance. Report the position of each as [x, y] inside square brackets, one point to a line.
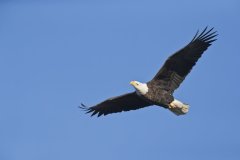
[178, 65]
[126, 102]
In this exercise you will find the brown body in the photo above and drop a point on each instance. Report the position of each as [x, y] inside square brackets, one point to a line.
[158, 96]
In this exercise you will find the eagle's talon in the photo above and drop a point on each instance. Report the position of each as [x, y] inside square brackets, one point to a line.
[172, 105]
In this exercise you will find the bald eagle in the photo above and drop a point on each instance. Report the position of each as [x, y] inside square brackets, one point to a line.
[159, 90]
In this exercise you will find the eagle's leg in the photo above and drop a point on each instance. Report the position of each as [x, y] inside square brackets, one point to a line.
[178, 107]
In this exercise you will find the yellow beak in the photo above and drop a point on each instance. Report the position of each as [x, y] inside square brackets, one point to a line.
[133, 83]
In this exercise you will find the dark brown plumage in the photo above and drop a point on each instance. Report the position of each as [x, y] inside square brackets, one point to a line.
[178, 65]
[126, 102]
[164, 83]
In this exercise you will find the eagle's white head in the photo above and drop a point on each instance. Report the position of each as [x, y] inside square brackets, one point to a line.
[141, 88]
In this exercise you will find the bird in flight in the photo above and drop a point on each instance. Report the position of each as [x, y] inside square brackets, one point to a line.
[159, 90]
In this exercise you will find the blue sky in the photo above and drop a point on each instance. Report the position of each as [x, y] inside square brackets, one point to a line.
[56, 54]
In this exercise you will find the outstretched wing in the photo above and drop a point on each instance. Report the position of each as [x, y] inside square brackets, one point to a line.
[126, 102]
[177, 66]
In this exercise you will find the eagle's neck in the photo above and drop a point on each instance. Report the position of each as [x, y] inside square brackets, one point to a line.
[142, 89]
